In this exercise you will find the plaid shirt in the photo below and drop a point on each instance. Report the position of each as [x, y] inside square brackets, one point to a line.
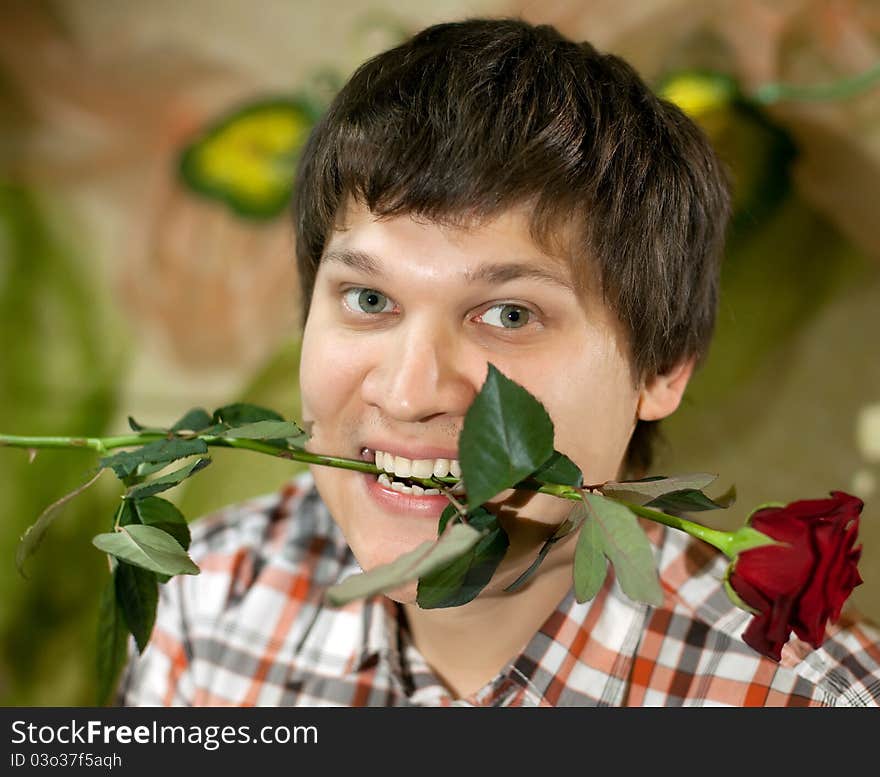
[253, 630]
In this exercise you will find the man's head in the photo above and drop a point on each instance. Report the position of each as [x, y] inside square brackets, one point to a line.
[491, 192]
[467, 120]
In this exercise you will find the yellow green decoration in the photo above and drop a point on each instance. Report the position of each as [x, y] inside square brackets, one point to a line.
[248, 158]
[699, 93]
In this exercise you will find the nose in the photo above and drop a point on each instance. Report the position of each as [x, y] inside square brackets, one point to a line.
[421, 372]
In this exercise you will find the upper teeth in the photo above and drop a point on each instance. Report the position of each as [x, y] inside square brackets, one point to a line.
[417, 468]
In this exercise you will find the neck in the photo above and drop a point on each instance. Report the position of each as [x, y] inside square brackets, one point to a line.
[468, 645]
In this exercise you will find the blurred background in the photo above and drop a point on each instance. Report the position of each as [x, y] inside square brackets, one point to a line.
[146, 257]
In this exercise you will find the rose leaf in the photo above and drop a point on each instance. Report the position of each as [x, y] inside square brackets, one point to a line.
[138, 595]
[112, 642]
[166, 481]
[160, 452]
[614, 530]
[422, 560]
[689, 500]
[147, 547]
[507, 435]
[561, 470]
[462, 579]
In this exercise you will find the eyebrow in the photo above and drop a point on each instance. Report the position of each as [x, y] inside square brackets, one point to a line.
[495, 273]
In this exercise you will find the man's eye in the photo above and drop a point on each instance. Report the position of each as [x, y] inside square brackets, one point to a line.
[368, 301]
[507, 316]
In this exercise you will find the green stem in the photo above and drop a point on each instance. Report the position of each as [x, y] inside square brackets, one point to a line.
[105, 444]
[723, 540]
[99, 444]
[727, 542]
[295, 454]
[835, 90]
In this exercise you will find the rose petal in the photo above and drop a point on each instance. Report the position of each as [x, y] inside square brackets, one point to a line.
[802, 584]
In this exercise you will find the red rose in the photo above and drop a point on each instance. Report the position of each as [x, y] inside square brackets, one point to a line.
[801, 585]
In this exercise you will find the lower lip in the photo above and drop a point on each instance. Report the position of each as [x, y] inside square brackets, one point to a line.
[404, 505]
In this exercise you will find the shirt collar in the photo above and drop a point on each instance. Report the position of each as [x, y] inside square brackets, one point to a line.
[377, 635]
[544, 662]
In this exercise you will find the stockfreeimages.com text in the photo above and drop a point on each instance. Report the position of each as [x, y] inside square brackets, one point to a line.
[208, 736]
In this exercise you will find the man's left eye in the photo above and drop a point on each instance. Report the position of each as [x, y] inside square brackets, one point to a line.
[507, 316]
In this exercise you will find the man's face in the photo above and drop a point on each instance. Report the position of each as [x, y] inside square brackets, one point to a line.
[405, 317]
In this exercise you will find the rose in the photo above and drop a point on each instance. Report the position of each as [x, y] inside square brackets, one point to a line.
[800, 582]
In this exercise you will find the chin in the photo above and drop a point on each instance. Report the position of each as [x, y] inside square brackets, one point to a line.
[406, 594]
[373, 556]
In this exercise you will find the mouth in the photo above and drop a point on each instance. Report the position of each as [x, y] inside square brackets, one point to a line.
[409, 475]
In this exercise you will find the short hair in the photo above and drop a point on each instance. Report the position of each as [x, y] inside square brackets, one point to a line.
[468, 119]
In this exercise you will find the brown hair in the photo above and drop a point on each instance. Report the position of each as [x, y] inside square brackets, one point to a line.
[468, 119]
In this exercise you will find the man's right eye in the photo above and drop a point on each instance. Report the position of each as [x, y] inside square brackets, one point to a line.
[367, 301]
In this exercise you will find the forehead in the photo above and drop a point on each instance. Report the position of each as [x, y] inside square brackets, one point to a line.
[495, 249]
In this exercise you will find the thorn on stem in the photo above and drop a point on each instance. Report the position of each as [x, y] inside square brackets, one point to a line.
[460, 508]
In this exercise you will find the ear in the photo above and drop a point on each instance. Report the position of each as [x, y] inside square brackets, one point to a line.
[661, 394]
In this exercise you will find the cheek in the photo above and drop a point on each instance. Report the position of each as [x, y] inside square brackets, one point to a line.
[593, 405]
[330, 374]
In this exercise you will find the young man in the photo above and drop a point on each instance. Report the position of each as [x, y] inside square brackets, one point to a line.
[487, 192]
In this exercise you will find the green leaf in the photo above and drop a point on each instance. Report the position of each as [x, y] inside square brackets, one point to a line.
[507, 435]
[158, 513]
[143, 471]
[449, 512]
[161, 452]
[645, 489]
[613, 530]
[265, 430]
[241, 413]
[590, 567]
[193, 421]
[147, 547]
[462, 579]
[166, 481]
[445, 582]
[691, 500]
[162, 514]
[34, 534]
[559, 469]
[136, 427]
[570, 524]
[112, 643]
[137, 593]
[422, 560]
